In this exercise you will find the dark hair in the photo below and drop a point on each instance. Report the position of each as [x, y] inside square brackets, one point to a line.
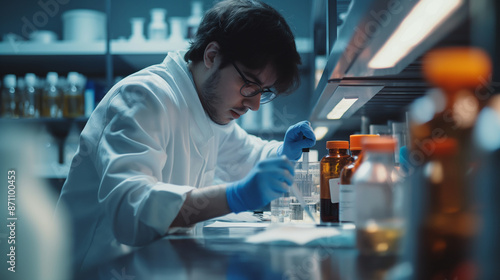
[252, 33]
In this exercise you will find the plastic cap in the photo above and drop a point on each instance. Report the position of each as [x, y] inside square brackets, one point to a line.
[454, 68]
[337, 144]
[73, 78]
[381, 144]
[52, 78]
[356, 140]
[9, 80]
[30, 79]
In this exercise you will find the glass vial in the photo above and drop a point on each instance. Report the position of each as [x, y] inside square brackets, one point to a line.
[31, 97]
[379, 223]
[9, 92]
[347, 197]
[330, 167]
[52, 99]
[73, 96]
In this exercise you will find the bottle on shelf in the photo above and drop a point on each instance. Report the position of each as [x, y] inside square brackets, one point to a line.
[347, 196]
[194, 19]
[31, 97]
[73, 105]
[176, 25]
[330, 167]
[52, 99]
[9, 92]
[137, 30]
[379, 199]
[157, 29]
[89, 98]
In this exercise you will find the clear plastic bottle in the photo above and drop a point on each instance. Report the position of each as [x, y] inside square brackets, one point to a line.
[347, 197]
[158, 29]
[330, 167]
[379, 223]
[8, 96]
[31, 97]
[73, 96]
[52, 99]
[194, 19]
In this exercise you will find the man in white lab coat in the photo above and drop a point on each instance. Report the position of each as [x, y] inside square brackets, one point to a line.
[154, 147]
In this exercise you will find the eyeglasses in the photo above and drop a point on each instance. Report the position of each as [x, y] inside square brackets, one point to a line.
[250, 89]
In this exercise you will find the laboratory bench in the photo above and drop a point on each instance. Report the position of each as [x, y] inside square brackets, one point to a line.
[225, 253]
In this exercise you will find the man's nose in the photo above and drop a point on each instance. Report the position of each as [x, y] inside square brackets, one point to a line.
[252, 103]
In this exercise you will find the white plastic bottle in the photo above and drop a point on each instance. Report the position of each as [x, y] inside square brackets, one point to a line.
[157, 29]
[194, 19]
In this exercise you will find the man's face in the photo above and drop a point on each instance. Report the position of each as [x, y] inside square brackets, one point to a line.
[220, 93]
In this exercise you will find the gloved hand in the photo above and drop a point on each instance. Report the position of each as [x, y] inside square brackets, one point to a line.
[297, 136]
[266, 181]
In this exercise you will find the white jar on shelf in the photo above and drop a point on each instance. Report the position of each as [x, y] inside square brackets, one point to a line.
[177, 26]
[194, 19]
[158, 29]
[137, 29]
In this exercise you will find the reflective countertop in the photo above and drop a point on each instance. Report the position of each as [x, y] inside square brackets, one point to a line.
[224, 253]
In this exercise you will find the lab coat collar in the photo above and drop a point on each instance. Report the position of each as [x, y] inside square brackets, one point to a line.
[202, 120]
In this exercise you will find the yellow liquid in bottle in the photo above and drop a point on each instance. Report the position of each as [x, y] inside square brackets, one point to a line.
[73, 106]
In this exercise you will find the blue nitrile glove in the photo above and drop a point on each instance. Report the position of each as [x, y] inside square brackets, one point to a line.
[297, 136]
[266, 181]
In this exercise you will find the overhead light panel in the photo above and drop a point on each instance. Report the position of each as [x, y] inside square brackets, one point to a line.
[422, 20]
[338, 111]
[320, 132]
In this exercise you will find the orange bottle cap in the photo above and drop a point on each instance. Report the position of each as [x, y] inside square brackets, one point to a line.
[381, 144]
[356, 140]
[454, 68]
[337, 144]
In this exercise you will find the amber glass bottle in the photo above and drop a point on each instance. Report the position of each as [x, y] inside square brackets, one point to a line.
[446, 232]
[330, 167]
[347, 201]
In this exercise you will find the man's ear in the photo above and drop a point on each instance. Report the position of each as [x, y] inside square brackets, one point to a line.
[210, 54]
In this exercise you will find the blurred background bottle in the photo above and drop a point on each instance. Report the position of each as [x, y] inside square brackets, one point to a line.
[158, 29]
[31, 97]
[8, 96]
[52, 99]
[73, 105]
[194, 19]
[330, 167]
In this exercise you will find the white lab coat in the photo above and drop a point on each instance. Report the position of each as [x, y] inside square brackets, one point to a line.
[146, 145]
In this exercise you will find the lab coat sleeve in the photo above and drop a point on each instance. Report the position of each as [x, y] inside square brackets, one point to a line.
[239, 152]
[130, 156]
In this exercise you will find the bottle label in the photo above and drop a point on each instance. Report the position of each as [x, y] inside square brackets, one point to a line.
[347, 203]
[334, 189]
